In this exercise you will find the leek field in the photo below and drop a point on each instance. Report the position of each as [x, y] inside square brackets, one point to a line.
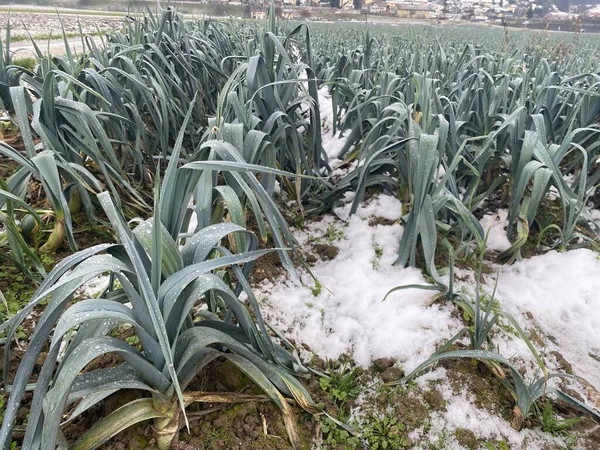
[243, 234]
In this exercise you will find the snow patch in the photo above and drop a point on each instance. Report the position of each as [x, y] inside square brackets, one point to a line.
[560, 290]
[348, 316]
[494, 225]
[383, 206]
[461, 413]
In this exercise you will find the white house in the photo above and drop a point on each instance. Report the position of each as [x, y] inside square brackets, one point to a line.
[378, 7]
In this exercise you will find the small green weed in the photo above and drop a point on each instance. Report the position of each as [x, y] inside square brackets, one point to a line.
[497, 445]
[48, 259]
[2, 402]
[134, 341]
[298, 221]
[553, 425]
[378, 251]
[341, 384]
[336, 437]
[317, 289]
[220, 436]
[14, 299]
[26, 63]
[378, 254]
[332, 234]
[384, 433]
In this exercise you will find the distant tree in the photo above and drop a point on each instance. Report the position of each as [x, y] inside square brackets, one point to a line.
[357, 4]
[334, 3]
[530, 12]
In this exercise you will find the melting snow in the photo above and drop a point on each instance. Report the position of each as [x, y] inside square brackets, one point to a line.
[461, 413]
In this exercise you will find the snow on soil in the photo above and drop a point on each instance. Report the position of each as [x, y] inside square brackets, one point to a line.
[348, 315]
[462, 414]
[458, 414]
[561, 291]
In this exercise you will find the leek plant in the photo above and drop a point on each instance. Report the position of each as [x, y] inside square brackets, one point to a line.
[110, 115]
[21, 233]
[508, 125]
[158, 287]
[172, 288]
[487, 111]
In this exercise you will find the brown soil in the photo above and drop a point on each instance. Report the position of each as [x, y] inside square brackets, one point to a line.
[246, 426]
[592, 439]
[386, 370]
[325, 251]
[374, 221]
[267, 267]
[587, 427]
[85, 236]
[466, 438]
[7, 167]
[563, 364]
[477, 379]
